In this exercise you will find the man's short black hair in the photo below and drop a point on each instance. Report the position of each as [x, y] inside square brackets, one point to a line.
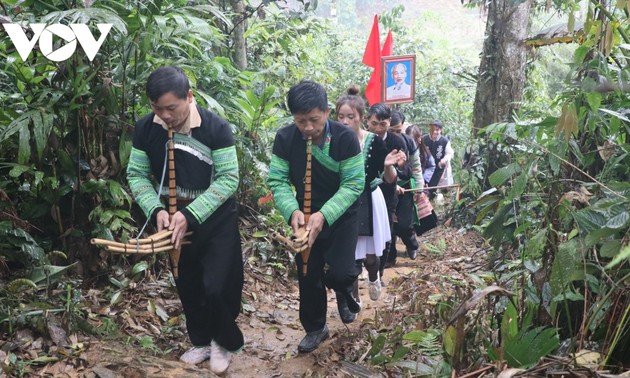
[380, 110]
[306, 96]
[167, 79]
[397, 118]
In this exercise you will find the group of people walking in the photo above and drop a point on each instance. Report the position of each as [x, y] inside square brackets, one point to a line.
[360, 202]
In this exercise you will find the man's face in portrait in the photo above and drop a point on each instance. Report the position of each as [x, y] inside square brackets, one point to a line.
[399, 73]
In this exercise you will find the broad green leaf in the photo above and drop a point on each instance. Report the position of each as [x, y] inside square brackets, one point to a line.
[519, 185]
[140, 267]
[449, 340]
[44, 360]
[67, 166]
[596, 236]
[618, 221]
[377, 345]
[569, 296]
[18, 169]
[124, 148]
[509, 322]
[615, 114]
[379, 359]
[529, 346]
[495, 230]
[213, 104]
[566, 267]
[503, 174]
[415, 336]
[610, 248]
[537, 243]
[116, 298]
[42, 126]
[621, 256]
[24, 149]
[83, 15]
[400, 353]
[489, 203]
[594, 100]
[571, 23]
[416, 368]
[45, 273]
[590, 220]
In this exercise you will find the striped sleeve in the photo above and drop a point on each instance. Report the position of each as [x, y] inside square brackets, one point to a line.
[138, 173]
[352, 172]
[278, 181]
[416, 168]
[223, 186]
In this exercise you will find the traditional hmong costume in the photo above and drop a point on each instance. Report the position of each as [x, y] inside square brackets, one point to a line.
[337, 181]
[374, 229]
[404, 225]
[441, 150]
[393, 142]
[210, 268]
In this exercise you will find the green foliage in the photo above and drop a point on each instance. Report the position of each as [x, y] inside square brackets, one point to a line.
[438, 248]
[528, 346]
[18, 245]
[560, 206]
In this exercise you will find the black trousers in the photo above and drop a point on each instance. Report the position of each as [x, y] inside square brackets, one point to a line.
[427, 223]
[403, 227]
[210, 281]
[435, 179]
[331, 264]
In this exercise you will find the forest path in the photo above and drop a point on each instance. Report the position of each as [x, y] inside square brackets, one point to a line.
[271, 325]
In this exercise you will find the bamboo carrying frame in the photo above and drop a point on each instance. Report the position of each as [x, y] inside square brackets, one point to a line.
[161, 240]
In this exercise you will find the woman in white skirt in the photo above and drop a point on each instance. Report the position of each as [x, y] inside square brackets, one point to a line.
[374, 230]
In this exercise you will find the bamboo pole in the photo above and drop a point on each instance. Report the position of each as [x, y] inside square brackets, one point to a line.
[172, 198]
[431, 188]
[307, 202]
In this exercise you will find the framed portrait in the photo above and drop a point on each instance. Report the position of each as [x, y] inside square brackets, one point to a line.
[398, 78]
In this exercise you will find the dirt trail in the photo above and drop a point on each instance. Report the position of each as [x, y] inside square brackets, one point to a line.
[271, 325]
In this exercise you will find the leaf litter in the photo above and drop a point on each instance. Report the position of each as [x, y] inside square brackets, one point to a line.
[144, 334]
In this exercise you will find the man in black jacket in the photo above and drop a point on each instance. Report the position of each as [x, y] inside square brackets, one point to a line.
[338, 178]
[404, 224]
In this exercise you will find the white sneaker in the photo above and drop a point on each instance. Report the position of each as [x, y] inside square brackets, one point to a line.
[374, 288]
[196, 355]
[219, 359]
[439, 199]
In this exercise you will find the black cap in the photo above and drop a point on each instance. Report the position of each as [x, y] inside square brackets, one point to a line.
[436, 123]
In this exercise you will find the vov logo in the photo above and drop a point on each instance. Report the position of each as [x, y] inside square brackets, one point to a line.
[44, 33]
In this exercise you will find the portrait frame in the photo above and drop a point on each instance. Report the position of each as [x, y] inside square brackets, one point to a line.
[407, 89]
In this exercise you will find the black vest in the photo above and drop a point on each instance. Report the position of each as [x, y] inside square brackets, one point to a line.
[437, 148]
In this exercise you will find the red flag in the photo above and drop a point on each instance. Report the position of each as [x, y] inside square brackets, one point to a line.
[388, 47]
[372, 53]
[373, 89]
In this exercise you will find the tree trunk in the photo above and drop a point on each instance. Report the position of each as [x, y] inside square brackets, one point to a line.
[238, 35]
[501, 72]
[502, 68]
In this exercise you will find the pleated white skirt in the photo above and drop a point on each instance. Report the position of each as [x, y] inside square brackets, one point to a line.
[375, 244]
